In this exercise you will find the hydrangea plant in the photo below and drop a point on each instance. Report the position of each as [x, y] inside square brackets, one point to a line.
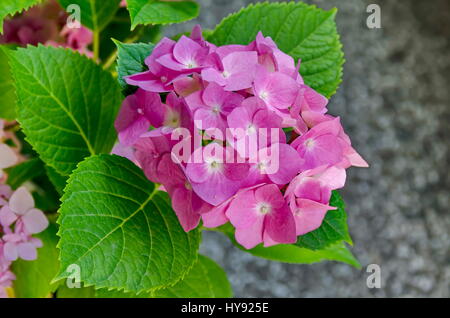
[133, 144]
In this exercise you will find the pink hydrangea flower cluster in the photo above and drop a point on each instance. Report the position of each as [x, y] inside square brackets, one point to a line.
[225, 96]
[19, 220]
[46, 24]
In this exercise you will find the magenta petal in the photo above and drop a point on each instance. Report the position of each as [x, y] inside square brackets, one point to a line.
[242, 210]
[185, 51]
[216, 216]
[289, 164]
[309, 215]
[147, 81]
[277, 90]
[280, 225]
[216, 189]
[182, 205]
[271, 194]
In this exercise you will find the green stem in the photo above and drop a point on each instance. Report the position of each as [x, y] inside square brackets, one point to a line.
[113, 56]
[97, 46]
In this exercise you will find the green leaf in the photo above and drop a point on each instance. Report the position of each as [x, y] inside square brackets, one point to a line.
[11, 7]
[131, 59]
[82, 292]
[104, 293]
[58, 181]
[293, 254]
[290, 253]
[95, 14]
[33, 278]
[121, 230]
[8, 101]
[300, 30]
[66, 105]
[161, 12]
[205, 280]
[334, 227]
[25, 171]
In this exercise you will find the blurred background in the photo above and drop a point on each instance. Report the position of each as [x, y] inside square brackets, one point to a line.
[395, 105]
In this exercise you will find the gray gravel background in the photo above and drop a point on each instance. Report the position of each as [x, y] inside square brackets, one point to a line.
[394, 104]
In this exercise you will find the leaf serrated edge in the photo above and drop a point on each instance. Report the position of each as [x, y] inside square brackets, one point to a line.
[63, 273]
[16, 12]
[259, 5]
[134, 24]
[19, 102]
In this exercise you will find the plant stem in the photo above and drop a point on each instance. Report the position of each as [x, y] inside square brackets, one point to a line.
[112, 57]
[96, 46]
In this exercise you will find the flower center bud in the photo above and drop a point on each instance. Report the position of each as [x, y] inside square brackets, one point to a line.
[263, 95]
[264, 208]
[309, 143]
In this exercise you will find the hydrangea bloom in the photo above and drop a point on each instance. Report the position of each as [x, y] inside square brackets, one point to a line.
[18, 219]
[234, 162]
[45, 24]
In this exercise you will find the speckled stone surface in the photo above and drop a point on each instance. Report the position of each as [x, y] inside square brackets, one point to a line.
[395, 105]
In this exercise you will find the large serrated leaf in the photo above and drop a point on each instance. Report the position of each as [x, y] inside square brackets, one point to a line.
[11, 7]
[205, 280]
[121, 230]
[334, 227]
[131, 57]
[8, 100]
[161, 12]
[300, 30]
[66, 105]
[95, 14]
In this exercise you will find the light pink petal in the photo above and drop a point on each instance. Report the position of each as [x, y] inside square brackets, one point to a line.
[270, 194]
[21, 201]
[216, 189]
[310, 100]
[276, 89]
[7, 217]
[27, 251]
[35, 221]
[216, 216]
[240, 67]
[207, 118]
[7, 157]
[10, 251]
[333, 177]
[355, 158]
[251, 236]
[187, 85]
[185, 51]
[170, 62]
[214, 76]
